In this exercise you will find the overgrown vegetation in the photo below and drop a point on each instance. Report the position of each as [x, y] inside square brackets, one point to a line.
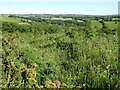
[49, 53]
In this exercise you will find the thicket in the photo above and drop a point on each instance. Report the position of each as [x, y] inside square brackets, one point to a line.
[72, 56]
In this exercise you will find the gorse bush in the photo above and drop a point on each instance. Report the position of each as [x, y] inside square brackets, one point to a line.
[18, 70]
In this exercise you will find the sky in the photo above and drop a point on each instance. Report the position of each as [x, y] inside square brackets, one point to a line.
[88, 7]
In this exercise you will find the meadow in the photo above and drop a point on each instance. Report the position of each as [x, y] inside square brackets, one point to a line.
[47, 52]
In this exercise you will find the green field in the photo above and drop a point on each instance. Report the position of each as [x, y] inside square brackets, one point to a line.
[112, 25]
[96, 23]
[10, 19]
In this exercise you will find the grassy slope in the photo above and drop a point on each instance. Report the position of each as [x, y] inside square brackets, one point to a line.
[112, 25]
[10, 19]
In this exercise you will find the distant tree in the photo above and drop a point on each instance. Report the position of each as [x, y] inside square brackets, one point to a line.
[115, 22]
[11, 16]
[104, 25]
[110, 18]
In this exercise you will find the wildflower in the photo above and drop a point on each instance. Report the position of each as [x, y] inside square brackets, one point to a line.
[58, 86]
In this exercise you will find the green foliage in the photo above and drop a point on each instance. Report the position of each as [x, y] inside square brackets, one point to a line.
[48, 53]
[16, 73]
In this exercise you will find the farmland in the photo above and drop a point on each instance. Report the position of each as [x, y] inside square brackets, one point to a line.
[70, 51]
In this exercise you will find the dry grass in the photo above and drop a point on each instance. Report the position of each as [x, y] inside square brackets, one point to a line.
[58, 18]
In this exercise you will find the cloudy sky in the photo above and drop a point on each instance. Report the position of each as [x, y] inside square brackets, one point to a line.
[89, 7]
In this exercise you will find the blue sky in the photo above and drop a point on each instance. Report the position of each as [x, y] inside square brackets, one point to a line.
[89, 7]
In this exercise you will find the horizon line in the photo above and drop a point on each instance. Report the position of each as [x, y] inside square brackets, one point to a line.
[59, 14]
